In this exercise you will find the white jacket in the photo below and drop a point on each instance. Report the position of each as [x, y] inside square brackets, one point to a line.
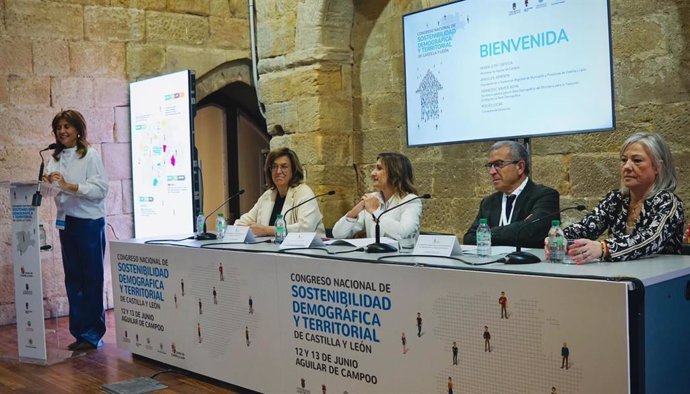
[306, 218]
[400, 221]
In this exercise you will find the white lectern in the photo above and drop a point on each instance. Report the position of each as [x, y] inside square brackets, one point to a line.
[28, 281]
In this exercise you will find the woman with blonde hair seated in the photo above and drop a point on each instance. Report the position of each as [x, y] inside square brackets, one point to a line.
[643, 218]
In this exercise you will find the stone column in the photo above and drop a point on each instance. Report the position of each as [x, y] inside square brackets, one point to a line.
[305, 84]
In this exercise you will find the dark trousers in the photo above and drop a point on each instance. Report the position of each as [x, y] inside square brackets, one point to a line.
[83, 249]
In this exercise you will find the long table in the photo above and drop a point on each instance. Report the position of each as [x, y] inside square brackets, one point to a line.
[311, 321]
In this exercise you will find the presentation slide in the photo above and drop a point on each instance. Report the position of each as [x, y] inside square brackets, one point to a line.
[161, 132]
[487, 70]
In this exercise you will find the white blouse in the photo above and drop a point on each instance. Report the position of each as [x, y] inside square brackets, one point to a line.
[394, 224]
[88, 172]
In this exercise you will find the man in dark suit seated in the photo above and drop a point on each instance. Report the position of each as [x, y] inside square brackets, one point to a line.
[516, 202]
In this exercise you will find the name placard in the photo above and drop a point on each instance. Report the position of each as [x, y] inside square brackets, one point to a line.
[301, 240]
[437, 245]
[238, 234]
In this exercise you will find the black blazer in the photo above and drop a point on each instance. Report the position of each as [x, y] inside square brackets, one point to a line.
[534, 202]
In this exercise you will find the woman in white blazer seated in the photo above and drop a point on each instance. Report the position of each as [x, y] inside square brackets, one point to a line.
[284, 175]
[393, 180]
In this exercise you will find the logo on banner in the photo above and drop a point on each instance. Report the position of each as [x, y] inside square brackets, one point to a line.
[27, 291]
[175, 353]
[302, 389]
[28, 326]
[24, 273]
[126, 338]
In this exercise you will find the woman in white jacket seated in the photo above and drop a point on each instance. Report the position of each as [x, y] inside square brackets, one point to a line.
[284, 175]
[393, 180]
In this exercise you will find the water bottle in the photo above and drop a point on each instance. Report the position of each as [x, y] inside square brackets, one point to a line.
[483, 238]
[43, 241]
[557, 242]
[200, 220]
[220, 225]
[281, 231]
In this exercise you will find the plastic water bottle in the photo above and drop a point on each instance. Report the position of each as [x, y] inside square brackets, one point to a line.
[220, 225]
[281, 231]
[43, 241]
[200, 220]
[557, 242]
[483, 239]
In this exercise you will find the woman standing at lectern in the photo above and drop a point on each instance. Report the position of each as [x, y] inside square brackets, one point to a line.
[643, 218]
[77, 171]
[393, 180]
[284, 175]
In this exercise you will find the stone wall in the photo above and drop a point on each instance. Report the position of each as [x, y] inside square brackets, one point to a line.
[306, 67]
[82, 54]
[331, 77]
[651, 48]
[306, 85]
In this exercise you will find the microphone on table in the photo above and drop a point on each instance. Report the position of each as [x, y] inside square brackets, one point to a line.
[520, 257]
[378, 247]
[36, 199]
[328, 193]
[204, 236]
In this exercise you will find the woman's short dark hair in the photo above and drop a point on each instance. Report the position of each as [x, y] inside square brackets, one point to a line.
[77, 121]
[297, 170]
[400, 173]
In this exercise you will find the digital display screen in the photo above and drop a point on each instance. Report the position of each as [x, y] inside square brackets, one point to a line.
[162, 154]
[490, 70]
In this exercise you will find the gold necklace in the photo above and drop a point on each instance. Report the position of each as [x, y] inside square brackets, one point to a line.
[633, 214]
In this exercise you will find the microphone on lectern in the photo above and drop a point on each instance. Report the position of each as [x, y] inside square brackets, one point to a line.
[208, 236]
[37, 198]
[328, 193]
[378, 247]
[520, 257]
